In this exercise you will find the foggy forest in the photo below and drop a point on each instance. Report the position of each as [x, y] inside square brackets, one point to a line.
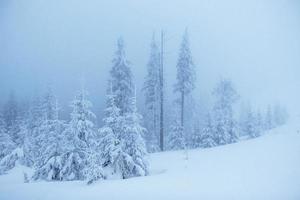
[149, 99]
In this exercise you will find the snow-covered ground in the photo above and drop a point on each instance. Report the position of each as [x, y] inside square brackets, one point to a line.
[264, 168]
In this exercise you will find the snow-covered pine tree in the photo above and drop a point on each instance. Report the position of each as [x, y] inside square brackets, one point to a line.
[93, 170]
[11, 160]
[32, 144]
[110, 145]
[80, 134]
[82, 118]
[224, 122]
[23, 123]
[133, 144]
[151, 90]
[47, 124]
[185, 74]
[207, 133]
[49, 163]
[259, 122]
[11, 119]
[176, 140]
[269, 124]
[12, 136]
[121, 78]
[6, 144]
[251, 124]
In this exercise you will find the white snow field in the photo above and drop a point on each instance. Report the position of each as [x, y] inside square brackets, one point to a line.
[266, 168]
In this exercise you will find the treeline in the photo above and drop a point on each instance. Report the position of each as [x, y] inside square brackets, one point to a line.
[34, 135]
[187, 126]
[77, 149]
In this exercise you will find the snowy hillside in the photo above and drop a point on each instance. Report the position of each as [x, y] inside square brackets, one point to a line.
[263, 168]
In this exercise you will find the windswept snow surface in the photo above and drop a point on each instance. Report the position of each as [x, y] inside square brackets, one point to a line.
[264, 168]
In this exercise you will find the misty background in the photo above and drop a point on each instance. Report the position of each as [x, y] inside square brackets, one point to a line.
[255, 43]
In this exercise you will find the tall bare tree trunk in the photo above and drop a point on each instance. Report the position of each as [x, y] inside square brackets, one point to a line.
[182, 108]
[161, 80]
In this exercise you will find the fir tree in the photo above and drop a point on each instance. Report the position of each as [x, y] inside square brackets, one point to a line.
[176, 138]
[110, 146]
[80, 133]
[121, 78]
[94, 171]
[259, 122]
[251, 125]
[224, 123]
[6, 144]
[269, 119]
[32, 141]
[11, 160]
[151, 90]
[11, 119]
[185, 74]
[49, 163]
[48, 127]
[133, 144]
[82, 118]
[207, 134]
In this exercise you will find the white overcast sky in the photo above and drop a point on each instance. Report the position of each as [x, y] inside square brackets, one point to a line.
[256, 43]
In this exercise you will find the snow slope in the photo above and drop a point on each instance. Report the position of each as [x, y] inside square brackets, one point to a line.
[266, 168]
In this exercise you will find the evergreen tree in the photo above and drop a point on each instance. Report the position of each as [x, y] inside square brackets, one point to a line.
[121, 78]
[207, 134]
[48, 127]
[11, 119]
[12, 139]
[133, 144]
[251, 125]
[269, 119]
[6, 144]
[259, 123]
[49, 163]
[176, 138]
[110, 146]
[123, 147]
[11, 160]
[32, 141]
[224, 123]
[151, 90]
[185, 74]
[80, 133]
[82, 118]
[94, 171]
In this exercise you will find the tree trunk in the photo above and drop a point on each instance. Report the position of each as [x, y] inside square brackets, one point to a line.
[182, 109]
[161, 80]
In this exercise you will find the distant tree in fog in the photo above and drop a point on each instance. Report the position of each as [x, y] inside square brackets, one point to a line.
[121, 78]
[185, 79]
[225, 126]
[152, 91]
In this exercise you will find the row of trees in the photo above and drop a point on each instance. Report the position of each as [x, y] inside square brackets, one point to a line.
[153, 89]
[75, 149]
[219, 126]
